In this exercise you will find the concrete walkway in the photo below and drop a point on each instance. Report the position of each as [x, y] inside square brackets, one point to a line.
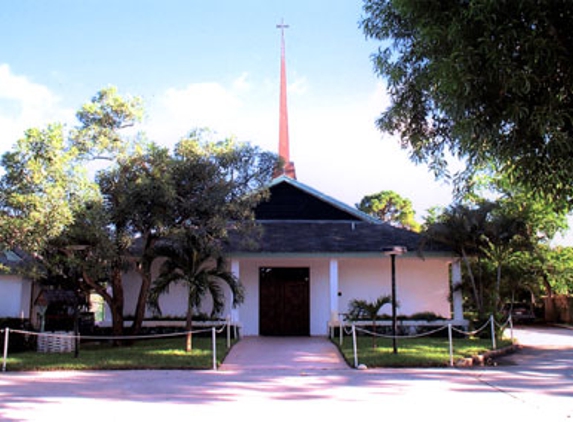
[298, 353]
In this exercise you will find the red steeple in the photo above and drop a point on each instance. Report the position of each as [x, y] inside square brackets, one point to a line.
[288, 168]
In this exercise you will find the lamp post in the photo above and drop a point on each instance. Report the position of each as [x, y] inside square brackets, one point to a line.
[392, 252]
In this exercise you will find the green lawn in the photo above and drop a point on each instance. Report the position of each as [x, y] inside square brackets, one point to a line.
[170, 354]
[421, 352]
[148, 354]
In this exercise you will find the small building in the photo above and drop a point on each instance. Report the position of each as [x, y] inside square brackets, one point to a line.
[15, 290]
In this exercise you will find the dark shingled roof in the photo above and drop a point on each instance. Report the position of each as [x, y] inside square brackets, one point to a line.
[329, 237]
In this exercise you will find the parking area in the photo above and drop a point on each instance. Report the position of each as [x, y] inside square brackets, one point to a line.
[537, 385]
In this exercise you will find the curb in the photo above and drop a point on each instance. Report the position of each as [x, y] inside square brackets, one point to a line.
[565, 326]
[486, 359]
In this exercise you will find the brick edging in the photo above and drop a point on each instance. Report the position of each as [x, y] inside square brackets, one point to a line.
[484, 359]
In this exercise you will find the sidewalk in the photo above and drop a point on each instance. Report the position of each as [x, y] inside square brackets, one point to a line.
[298, 353]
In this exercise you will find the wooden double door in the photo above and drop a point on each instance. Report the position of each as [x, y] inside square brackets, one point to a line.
[284, 301]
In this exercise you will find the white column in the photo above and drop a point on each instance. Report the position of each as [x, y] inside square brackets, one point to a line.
[333, 290]
[236, 270]
[457, 297]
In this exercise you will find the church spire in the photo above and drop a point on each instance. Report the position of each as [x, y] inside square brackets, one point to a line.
[288, 169]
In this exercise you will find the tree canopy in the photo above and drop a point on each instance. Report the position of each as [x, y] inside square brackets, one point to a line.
[45, 182]
[488, 81]
[389, 206]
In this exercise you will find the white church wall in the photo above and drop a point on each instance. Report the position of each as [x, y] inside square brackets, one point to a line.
[421, 285]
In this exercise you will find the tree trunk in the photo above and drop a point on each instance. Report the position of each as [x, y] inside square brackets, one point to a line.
[117, 303]
[145, 273]
[144, 270]
[498, 287]
[473, 282]
[550, 311]
[547, 285]
[189, 328]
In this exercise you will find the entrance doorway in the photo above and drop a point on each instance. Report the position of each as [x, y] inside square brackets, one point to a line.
[284, 308]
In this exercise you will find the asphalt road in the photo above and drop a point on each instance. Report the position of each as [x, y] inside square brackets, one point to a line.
[534, 385]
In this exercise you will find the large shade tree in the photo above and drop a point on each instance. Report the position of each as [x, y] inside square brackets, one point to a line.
[67, 222]
[203, 187]
[44, 181]
[390, 207]
[41, 188]
[488, 81]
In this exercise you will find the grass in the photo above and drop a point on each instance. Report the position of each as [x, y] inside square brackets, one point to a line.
[170, 354]
[421, 352]
[148, 354]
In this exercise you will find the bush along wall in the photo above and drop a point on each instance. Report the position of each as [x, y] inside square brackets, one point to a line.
[17, 342]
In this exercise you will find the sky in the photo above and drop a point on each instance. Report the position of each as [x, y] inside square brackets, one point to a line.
[216, 64]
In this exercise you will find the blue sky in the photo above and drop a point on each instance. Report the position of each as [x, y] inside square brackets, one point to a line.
[215, 64]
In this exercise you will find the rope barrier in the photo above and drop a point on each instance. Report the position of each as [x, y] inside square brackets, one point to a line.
[216, 329]
[86, 337]
[426, 334]
[353, 329]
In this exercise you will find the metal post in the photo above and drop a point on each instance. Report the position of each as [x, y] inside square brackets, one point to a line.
[394, 322]
[340, 332]
[214, 337]
[228, 333]
[493, 342]
[5, 358]
[450, 336]
[354, 346]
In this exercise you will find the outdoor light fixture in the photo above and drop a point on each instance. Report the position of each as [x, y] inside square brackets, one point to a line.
[392, 252]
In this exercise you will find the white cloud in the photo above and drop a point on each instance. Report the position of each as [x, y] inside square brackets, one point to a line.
[242, 84]
[19, 88]
[298, 87]
[25, 104]
[242, 109]
[209, 104]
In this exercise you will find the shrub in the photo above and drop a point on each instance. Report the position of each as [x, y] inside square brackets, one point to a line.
[17, 342]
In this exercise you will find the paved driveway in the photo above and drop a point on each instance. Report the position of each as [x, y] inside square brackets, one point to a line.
[530, 388]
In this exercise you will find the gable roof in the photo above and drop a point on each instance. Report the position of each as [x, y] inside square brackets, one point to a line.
[293, 200]
[298, 219]
[12, 260]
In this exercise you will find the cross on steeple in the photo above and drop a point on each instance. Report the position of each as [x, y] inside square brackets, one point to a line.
[284, 153]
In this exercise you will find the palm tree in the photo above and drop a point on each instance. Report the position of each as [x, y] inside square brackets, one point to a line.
[359, 309]
[505, 235]
[462, 228]
[197, 263]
